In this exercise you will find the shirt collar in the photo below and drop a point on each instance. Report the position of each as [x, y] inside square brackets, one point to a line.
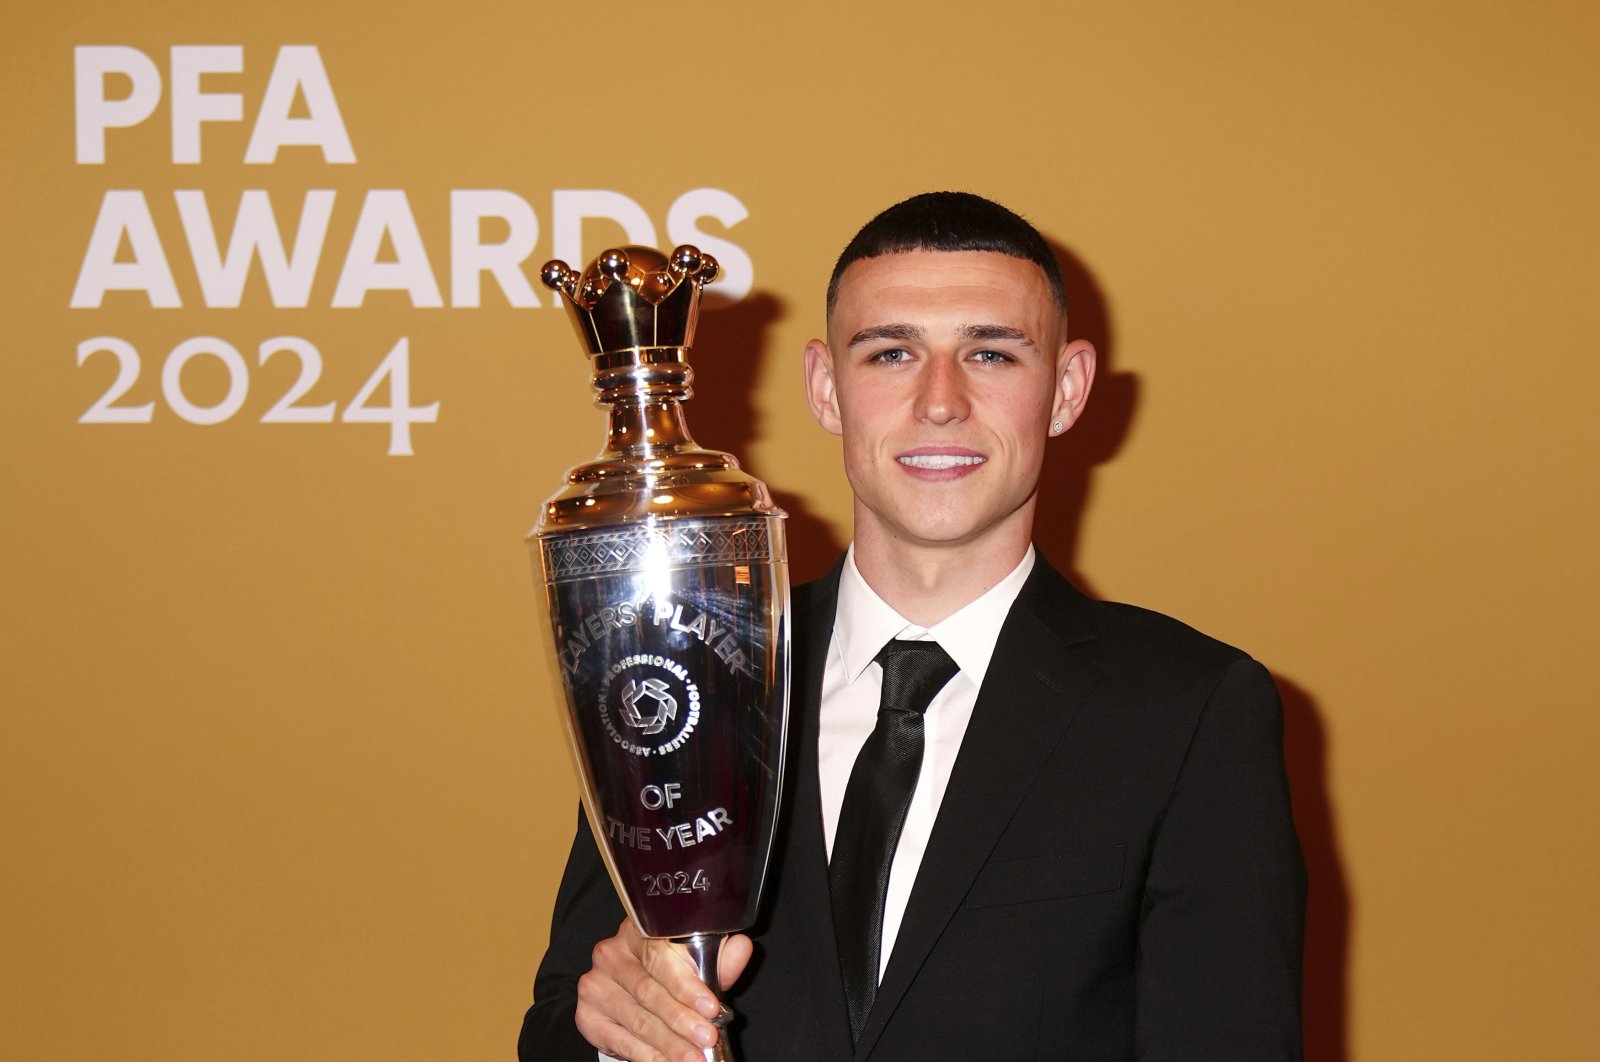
[864, 622]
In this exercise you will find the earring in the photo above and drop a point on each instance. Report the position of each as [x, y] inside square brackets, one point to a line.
[1056, 428]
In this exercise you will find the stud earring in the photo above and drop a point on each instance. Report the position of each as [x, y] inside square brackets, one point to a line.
[1056, 428]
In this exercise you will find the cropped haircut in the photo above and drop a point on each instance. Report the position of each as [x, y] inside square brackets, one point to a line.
[949, 221]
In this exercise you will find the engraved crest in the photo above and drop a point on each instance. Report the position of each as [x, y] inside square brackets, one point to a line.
[655, 707]
[663, 705]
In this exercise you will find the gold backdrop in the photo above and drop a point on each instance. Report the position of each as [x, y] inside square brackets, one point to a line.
[281, 779]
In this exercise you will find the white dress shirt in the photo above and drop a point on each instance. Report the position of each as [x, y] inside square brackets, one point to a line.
[851, 686]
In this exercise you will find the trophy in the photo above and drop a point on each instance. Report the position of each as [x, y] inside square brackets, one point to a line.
[667, 580]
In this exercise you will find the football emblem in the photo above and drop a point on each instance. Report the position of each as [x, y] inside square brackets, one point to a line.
[654, 707]
[660, 706]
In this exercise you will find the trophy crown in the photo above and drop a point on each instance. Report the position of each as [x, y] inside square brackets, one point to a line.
[633, 298]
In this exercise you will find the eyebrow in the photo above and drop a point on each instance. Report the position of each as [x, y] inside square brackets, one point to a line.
[904, 333]
[993, 331]
[909, 333]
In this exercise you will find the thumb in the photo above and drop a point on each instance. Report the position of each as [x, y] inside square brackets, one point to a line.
[735, 955]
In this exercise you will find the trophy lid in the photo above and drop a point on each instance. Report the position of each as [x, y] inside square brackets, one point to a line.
[633, 298]
[635, 310]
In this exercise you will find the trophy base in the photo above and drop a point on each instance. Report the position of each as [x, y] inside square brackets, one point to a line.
[704, 949]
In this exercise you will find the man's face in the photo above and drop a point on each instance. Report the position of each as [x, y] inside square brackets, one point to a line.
[944, 372]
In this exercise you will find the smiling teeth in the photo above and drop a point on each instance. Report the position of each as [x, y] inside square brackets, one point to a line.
[937, 461]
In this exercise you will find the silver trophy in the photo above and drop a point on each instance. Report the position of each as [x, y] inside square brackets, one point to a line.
[668, 587]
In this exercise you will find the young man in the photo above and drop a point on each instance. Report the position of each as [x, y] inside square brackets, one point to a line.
[1076, 843]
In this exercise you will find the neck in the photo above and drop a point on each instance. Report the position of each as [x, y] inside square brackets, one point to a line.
[925, 583]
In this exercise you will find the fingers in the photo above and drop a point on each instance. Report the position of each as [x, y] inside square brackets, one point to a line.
[643, 1001]
[613, 1022]
[672, 976]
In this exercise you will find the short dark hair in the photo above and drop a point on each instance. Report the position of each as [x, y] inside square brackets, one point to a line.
[949, 221]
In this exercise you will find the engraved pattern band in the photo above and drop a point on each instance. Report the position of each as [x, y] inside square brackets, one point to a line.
[581, 555]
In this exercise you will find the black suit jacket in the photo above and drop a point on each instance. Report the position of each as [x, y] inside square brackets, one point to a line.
[1113, 874]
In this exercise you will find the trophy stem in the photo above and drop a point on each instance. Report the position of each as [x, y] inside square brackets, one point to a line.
[704, 949]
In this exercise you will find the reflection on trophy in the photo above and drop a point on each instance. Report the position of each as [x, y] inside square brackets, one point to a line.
[667, 579]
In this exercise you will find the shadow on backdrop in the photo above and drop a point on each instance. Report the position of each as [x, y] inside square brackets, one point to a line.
[730, 343]
[1305, 752]
[1064, 484]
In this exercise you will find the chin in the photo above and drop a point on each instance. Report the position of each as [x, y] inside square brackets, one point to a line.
[937, 536]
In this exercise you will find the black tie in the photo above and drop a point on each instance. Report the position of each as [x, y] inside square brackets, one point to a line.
[874, 810]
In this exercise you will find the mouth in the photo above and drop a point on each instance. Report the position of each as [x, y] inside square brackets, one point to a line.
[940, 462]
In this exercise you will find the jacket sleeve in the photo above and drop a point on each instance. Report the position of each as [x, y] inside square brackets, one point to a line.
[586, 912]
[1223, 915]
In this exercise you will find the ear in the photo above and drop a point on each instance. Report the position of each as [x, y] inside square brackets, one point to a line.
[1074, 378]
[821, 391]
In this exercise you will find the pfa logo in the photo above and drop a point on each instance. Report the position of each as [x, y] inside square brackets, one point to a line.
[648, 704]
[664, 710]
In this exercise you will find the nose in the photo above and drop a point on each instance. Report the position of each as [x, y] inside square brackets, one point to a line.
[942, 397]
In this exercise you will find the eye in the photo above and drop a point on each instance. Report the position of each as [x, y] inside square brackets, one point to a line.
[892, 356]
[989, 356]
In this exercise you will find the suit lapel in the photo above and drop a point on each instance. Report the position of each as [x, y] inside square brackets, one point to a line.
[805, 857]
[1040, 674]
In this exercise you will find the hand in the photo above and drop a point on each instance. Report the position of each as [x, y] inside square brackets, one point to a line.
[643, 1001]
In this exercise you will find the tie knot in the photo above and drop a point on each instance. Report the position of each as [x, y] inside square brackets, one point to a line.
[913, 673]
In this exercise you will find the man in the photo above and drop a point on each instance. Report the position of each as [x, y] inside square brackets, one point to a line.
[1076, 844]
